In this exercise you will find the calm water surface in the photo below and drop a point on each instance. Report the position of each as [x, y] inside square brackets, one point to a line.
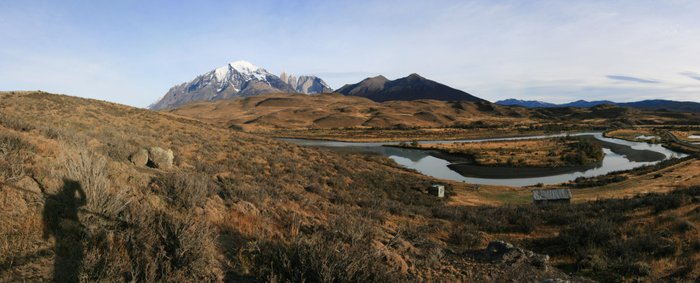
[422, 161]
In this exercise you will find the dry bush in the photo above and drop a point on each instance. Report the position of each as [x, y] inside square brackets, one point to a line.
[19, 237]
[91, 171]
[14, 154]
[169, 247]
[126, 239]
[313, 259]
[183, 190]
[15, 123]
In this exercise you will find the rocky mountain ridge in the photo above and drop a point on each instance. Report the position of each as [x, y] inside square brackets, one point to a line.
[238, 79]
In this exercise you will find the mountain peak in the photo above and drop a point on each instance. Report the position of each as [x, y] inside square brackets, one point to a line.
[412, 87]
[414, 76]
[244, 66]
[238, 78]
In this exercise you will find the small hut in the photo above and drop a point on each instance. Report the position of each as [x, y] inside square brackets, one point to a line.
[437, 190]
[551, 196]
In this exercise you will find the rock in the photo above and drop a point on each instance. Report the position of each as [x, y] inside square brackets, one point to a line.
[160, 158]
[499, 247]
[540, 261]
[139, 158]
[500, 251]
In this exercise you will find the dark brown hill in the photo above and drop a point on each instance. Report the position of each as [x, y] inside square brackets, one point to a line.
[413, 87]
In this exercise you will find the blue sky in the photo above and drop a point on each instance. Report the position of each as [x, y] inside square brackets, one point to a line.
[132, 52]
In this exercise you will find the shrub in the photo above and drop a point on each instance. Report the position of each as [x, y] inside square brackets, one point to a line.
[14, 154]
[153, 246]
[311, 259]
[465, 236]
[90, 171]
[15, 124]
[183, 190]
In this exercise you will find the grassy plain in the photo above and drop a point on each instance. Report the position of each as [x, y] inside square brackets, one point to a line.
[240, 207]
[554, 152]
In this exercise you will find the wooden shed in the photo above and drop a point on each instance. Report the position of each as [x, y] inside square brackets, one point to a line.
[540, 196]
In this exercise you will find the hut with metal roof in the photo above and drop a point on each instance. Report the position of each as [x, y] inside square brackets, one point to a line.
[540, 196]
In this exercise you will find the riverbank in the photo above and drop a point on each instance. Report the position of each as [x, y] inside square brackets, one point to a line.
[634, 155]
[407, 135]
[435, 164]
[538, 153]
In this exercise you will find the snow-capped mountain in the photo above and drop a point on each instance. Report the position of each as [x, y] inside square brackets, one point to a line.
[240, 78]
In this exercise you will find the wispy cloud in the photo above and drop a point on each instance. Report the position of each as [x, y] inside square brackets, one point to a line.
[631, 79]
[691, 75]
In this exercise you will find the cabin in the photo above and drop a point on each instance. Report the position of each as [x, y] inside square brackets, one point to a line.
[437, 190]
[540, 196]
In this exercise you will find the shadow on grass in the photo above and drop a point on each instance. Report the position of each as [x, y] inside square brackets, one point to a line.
[61, 221]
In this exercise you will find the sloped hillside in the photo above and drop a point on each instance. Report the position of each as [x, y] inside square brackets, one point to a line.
[77, 205]
[234, 206]
[411, 87]
[327, 111]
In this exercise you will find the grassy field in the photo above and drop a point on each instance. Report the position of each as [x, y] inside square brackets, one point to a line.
[406, 135]
[555, 152]
[685, 135]
[240, 207]
[634, 134]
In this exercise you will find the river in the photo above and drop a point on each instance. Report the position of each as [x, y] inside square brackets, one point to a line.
[619, 155]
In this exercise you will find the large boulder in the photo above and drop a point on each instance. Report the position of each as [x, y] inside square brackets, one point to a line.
[139, 158]
[160, 158]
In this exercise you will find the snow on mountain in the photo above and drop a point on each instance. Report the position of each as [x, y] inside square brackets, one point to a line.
[239, 78]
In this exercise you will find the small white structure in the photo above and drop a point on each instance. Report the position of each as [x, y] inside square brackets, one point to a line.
[437, 190]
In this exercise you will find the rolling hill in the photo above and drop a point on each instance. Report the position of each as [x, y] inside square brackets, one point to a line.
[412, 87]
[332, 111]
[657, 104]
[326, 111]
[232, 206]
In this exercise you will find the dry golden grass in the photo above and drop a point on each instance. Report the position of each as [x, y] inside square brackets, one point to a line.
[632, 134]
[685, 135]
[242, 207]
[532, 153]
[331, 111]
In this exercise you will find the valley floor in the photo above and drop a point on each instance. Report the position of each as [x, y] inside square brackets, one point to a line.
[682, 175]
[77, 204]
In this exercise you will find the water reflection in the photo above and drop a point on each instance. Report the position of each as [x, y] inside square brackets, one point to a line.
[422, 161]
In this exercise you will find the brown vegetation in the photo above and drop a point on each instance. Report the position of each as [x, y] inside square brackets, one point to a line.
[241, 207]
[554, 152]
[335, 111]
[338, 117]
[634, 134]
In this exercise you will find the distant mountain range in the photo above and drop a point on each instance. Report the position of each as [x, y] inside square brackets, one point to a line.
[657, 104]
[237, 79]
[413, 87]
[243, 79]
